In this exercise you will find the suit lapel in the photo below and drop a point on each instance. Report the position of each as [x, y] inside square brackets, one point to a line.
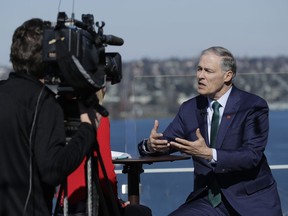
[201, 113]
[230, 111]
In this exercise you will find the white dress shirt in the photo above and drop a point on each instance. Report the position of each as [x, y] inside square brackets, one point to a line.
[222, 100]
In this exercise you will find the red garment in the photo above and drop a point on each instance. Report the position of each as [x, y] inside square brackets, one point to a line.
[76, 185]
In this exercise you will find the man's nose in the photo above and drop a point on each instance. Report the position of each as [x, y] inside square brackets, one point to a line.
[200, 74]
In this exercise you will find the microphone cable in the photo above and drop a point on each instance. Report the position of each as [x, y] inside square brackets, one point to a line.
[30, 151]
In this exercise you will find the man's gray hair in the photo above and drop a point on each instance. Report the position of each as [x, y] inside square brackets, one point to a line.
[228, 60]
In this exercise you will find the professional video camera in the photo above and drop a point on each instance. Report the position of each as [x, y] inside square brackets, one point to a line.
[77, 63]
[79, 67]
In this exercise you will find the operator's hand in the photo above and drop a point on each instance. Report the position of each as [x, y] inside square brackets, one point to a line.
[88, 114]
[155, 143]
[197, 148]
[85, 118]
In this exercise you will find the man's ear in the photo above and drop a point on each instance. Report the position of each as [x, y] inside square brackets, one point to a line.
[228, 76]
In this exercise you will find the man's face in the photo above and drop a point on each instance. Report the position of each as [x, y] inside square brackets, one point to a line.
[212, 80]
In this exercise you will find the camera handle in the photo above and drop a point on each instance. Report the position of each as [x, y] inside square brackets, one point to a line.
[93, 102]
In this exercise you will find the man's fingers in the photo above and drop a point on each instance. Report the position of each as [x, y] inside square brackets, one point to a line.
[154, 134]
[156, 126]
[177, 145]
[198, 134]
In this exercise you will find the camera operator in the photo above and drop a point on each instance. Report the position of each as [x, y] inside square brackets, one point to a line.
[34, 156]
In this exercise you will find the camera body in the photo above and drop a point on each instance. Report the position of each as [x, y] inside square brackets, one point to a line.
[77, 63]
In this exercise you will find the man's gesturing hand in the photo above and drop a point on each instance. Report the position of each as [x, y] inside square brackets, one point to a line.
[197, 148]
[155, 143]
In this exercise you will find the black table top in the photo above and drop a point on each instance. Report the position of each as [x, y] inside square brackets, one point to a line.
[150, 159]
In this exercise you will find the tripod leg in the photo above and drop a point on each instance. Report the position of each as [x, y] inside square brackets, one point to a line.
[65, 204]
[92, 195]
[62, 188]
[113, 200]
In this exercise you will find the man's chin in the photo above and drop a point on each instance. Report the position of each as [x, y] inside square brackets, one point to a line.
[202, 91]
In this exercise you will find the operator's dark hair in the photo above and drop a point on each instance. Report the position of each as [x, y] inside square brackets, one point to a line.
[26, 48]
[228, 60]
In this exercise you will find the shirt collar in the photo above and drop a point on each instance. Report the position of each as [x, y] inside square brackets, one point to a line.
[222, 100]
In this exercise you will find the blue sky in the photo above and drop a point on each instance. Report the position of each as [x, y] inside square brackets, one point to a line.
[159, 29]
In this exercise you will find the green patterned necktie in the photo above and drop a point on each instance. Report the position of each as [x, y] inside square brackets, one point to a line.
[214, 193]
[214, 124]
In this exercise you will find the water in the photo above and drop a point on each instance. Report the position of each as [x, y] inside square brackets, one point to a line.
[164, 192]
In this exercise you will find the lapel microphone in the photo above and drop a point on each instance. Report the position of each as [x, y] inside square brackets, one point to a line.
[203, 112]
